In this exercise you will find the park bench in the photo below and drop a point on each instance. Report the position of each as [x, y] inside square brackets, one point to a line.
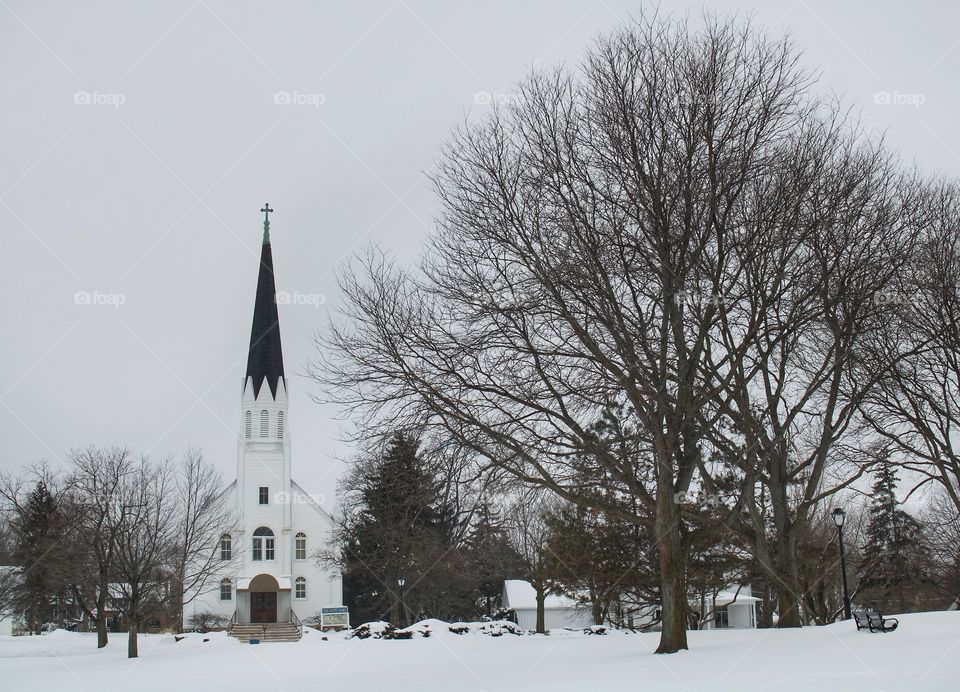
[874, 621]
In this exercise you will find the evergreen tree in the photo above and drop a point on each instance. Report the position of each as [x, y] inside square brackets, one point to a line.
[599, 559]
[491, 556]
[38, 536]
[401, 527]
[894, 573]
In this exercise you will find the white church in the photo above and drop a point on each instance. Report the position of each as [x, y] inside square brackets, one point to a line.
[270, 581]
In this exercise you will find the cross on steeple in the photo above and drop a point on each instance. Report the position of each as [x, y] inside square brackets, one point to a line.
[266, 223]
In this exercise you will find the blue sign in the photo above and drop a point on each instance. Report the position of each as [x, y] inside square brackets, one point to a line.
[338, 616]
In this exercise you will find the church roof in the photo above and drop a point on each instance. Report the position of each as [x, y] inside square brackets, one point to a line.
[265, 358]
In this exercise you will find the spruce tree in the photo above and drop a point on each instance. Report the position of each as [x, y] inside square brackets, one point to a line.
[400, 527]
[894, 574]
[491, 557]
[35, 552]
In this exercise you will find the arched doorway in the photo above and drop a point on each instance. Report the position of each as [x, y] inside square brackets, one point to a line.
[263, 598]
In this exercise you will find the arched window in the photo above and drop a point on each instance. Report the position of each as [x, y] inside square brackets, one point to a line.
[300, 588]
[248, 425]
[279, 425]
[300, 546]
[226, 590]
[264, 422]
[263, 544]
[226, 547]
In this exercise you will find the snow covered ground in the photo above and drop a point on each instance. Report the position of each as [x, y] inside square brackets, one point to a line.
[920, 655]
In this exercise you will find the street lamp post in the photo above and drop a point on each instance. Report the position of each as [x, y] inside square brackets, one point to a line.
[838, 516]
[401, 581]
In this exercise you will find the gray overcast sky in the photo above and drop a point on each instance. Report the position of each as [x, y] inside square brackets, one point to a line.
[140, 141]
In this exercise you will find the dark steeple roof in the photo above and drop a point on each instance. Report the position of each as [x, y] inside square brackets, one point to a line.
[265, 359]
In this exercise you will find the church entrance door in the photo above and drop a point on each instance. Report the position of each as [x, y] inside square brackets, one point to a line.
[263, 606]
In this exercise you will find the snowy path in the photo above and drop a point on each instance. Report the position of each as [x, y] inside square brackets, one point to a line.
[920, 655]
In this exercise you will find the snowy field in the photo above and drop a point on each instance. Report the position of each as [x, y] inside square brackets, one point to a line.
[920, 655]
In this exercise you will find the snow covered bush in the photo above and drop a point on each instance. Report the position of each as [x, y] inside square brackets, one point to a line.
[493, 628]
[207, 621]
[372, 630]
[596, 629]
[498, 628]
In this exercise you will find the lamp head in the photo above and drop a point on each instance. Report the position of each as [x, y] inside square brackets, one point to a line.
[401, 581]
[838, 516]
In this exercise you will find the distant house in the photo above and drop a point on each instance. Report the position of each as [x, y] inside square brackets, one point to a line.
[559, 611]
[729, 610]
[9, 576]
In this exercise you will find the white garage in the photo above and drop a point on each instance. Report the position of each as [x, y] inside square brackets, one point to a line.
[558, 611]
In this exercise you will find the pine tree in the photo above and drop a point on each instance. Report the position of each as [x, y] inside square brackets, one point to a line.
[400, 527]
[598, 559]
[491, 556]
[35, 551]
[894, 574]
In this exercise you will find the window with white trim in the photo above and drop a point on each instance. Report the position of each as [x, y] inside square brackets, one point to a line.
[263, 544]
[226, 590]
[264, 495]
[226, 547]
[300, 546]
[300, 588]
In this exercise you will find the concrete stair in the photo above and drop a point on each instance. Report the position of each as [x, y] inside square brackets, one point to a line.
[266, 632]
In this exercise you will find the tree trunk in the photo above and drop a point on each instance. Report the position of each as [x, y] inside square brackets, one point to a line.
[597, 613]
[541, 615]
[132, 639]
[673, 583]
[788, 592]
[787, 574]
[101, 619]
[102, 636]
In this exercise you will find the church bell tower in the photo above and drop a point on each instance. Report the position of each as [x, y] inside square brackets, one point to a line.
[263, 459]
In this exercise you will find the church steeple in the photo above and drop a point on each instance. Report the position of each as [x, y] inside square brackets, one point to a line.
[265, 358]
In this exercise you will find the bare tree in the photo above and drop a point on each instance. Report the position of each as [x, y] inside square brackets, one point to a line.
[201, 516]
[834, 225]
[575, 227]
[942, 522]
[529, 533]
[916, 406]
[98, 479]
[144, 541]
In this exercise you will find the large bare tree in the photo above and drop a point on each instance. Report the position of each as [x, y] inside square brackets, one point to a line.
[575, 228]
[916, 405]
[833, 229]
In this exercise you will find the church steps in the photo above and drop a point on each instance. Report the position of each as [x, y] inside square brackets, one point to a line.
[266, 632]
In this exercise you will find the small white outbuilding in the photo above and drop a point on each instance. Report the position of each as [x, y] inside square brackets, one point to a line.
[558, 611]
[730, 610]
